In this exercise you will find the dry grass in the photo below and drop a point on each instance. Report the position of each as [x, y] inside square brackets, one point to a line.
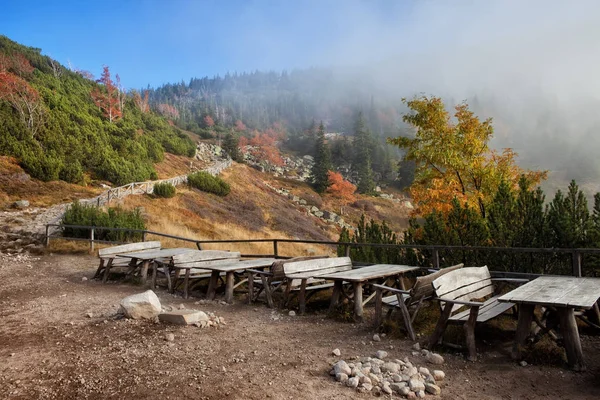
[15, 185]
[250, 211]
[174, 165]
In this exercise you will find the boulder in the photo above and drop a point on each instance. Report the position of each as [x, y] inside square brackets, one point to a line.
[434, 358]
[183, 317]
[21, 204]
[141, 306]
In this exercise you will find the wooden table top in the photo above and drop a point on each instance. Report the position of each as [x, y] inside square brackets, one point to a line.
[154, 254]
[368, 273]
[560, 291]
[241, 265]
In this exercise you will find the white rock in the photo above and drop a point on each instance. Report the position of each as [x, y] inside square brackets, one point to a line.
[365, 379]
[374, 379]
[341, 377]
[183, 317]
[169, 337]
[404, 391]
[421, 394]
[390, 367]
[381, 354]
[368, 387]
[83, 279]
[352, 382]
[386, 388]
[181, 307]
[523, 363]
[433, 389]
[336, 352]
[424, 371]
[438, 375]
[416, 346]
[398, 386]
[376, 338]
[292, 313]
[342, 367]
[434, 358]
[141, 306]
[415, 385]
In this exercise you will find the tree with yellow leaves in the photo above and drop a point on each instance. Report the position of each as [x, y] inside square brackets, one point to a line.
[453, 159]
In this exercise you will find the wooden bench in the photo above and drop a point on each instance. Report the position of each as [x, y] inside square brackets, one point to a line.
[459, 293]
[109, 259]
[193, 265]
[303, 276]
[407, 300]
[271, 280]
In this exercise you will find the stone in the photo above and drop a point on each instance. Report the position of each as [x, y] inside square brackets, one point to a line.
[434, 358]
[318, 214]
[397, 386]
[416, 346]
[523, 363]
[336, 352]
[390, 367]
[90, 315]
[364, 379]
[404, 391]
[169, 337]
[424, 371]
[341, 377]
[411, 371]
[438, 375]
[374, 378]
[381, 354]
[386, 388]
[367, 386]
[376, 338]
[375, 369]
[356, 372]
[421, 394]
[141, 306]
[84, 279]
[425, 352]
[396, 378]
[21, 204]
[314, 209]
[415, 385]
[432, 389]
[183, 317]
[292, 313]
[411, 395]
[181, 307]
[352, 382]
[342, 367]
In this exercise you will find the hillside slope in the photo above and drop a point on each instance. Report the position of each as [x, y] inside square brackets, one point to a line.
[54, 121]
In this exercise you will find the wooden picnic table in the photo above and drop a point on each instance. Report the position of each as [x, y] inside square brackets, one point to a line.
[359, 276]
[230, 269]
[564, 293]
[148, 256]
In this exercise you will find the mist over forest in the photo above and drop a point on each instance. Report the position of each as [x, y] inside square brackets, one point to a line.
[531, 66]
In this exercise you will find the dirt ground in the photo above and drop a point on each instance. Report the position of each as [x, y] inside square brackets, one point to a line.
[51, 349]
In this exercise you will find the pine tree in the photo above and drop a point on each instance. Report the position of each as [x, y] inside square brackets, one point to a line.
[231, 146]
[569, 218]
[502, 216]
[322, 164]
[362, 156]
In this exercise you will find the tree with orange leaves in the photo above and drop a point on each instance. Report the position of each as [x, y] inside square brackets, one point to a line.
[339, 187]
[453, 158]
[108, 98]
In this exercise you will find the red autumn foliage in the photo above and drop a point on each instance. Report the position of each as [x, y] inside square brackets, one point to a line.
[339, 187]
[167, 110]
[17, 63]
[24, 99]
[109, 99]
[209, 121]
[239, 126]
[263, 146]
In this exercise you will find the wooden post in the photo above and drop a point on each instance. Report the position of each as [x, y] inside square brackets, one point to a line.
[577, 264]
[523, 328]
[144, 236]
[358, 301]
[250, 287]
[212, 285]
[568, 327]
[302, 297]
[229, 277]
[440, 328]
[470, 334]
[378, 307]
[335, 296]
[435, 259]
[47, 235]
[275, 248]
[92, 239]
[347, 250]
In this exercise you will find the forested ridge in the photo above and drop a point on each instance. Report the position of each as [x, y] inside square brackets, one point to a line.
[62, 124]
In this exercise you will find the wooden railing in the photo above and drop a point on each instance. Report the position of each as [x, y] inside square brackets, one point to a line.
[576, 254]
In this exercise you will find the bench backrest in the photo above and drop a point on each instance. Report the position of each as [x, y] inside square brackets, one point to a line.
[199, 258]
[423, 288]
[465, 284]
[128, 248]
[277, 267]
[319, 266]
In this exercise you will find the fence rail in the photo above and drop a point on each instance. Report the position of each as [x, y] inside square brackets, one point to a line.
[576, 253]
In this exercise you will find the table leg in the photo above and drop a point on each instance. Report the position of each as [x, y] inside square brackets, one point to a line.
[250, 287]
[302, 297]
[154, 273]
[335, 296]
[212, 285]
[186, 283]
[358, 303]
[568, 327]
[99, 270]
[107, 270]
[167, 272]
[523, 328]
[229, 277]
[144, 273]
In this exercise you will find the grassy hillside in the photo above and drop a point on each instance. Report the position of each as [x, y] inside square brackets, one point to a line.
[51, 125]
[253, 211]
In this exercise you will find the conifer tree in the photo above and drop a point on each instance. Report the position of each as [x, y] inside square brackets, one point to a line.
[569, 218]
[322, 165]
[362, 156]
[231, 146]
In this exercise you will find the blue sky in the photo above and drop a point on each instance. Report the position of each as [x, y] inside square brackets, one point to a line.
[158, 41]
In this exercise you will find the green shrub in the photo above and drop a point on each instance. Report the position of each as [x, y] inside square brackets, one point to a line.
[208, 183]
[165, 190]
[87, 215]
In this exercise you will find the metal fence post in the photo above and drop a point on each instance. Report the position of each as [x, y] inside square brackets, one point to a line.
[435, 259]
[576, 264]
[92, 239]
[275, 248]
